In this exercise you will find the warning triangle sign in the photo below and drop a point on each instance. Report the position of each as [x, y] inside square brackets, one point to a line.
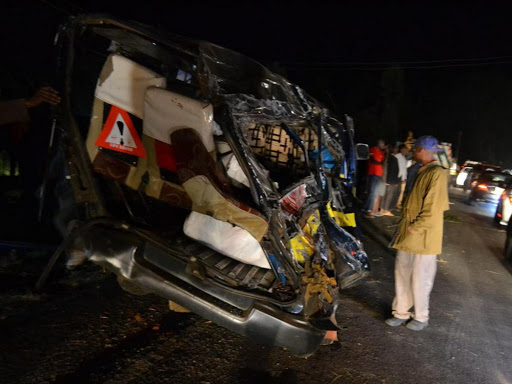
[119, 134]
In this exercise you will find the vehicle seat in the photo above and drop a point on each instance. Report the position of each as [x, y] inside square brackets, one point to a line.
[121, 87]
[218, 220]
[164, 112]
[207, 186]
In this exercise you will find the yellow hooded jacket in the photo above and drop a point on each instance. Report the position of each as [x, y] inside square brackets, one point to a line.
[423, 210]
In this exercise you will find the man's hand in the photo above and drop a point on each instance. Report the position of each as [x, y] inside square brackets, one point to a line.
[43, 95]
[411, 229]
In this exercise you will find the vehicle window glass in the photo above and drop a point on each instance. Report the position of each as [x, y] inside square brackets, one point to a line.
[495, 177]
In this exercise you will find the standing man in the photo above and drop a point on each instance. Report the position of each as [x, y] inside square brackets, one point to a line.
[375, 171]
[419, 238]
[401, 156]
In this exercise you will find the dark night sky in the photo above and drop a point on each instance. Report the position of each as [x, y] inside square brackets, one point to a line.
[321, 47]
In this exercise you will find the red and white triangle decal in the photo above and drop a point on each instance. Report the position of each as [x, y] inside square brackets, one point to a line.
[119, 134]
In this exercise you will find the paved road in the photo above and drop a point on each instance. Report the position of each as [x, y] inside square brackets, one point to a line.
[96, 333]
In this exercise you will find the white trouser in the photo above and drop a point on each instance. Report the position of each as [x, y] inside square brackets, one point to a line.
[414, 279]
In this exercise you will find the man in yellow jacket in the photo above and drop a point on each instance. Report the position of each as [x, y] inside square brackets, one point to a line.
[419, 238]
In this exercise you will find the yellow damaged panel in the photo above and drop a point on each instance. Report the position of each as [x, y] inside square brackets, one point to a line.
[312, 224]
[301, 247]
[341, 218]
[302, 244]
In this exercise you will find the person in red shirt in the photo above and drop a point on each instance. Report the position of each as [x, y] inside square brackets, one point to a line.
[375, 171]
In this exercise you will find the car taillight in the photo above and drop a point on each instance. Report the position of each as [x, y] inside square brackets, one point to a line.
[473, 183]
[483, 187]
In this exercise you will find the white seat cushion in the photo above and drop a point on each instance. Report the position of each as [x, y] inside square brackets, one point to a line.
[225, 238]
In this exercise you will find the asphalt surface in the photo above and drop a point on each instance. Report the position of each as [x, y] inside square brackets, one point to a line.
[84, 328]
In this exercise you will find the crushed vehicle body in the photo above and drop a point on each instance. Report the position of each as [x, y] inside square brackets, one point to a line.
[193, 172]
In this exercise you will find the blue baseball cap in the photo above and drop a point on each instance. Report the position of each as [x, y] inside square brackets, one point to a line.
[428, 142]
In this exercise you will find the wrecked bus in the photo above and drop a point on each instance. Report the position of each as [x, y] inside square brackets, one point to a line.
[194, 173]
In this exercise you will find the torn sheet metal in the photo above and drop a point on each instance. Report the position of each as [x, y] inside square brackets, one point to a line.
[302, 247]
[293, 200]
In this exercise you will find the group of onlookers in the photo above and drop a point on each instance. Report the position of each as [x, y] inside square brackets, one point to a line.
[388, 176]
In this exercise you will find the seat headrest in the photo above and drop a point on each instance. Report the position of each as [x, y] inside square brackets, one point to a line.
[166, 111]
[123, 83]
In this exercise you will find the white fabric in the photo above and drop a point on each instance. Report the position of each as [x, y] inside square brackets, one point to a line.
[166, 111]
[123, 83]
[225, 238]
[217, 131]
[414, 279]
[222, 147]
[234, 170]
[402, 166]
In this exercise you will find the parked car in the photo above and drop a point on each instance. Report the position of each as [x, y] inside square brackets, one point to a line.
[489, 186]
[465, 170]
[472, 172]
[504, 208]
[460, 181]
[193, 172]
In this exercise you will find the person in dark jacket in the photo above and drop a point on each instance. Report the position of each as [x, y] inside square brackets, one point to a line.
[392, 184]
[412, 172]
[16, 111]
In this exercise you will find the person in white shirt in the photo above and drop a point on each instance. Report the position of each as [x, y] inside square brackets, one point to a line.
[402, 170]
